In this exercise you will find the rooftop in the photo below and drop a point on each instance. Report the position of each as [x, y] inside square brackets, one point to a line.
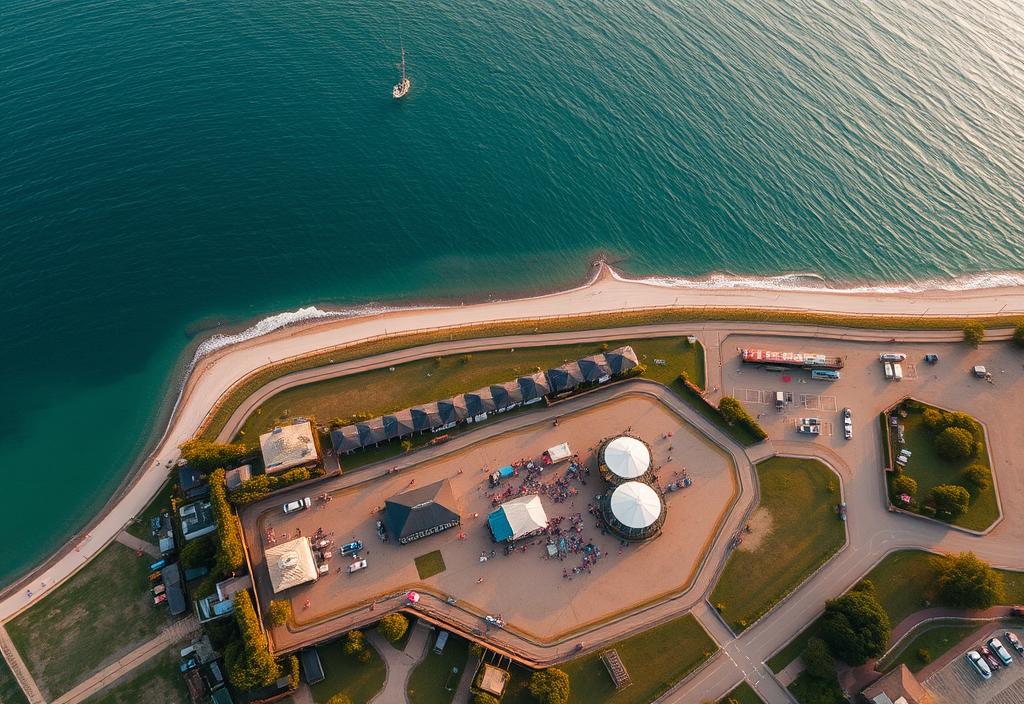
[288, 446]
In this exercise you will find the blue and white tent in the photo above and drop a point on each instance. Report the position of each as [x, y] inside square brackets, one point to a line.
[518, 518]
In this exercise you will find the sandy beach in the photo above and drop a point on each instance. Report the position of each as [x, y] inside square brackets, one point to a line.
[605, 292]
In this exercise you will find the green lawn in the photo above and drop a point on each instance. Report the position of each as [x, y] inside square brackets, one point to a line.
[361, 682]
[158, 680]
[430, 564]
[516, 691]
[380, 390]
[804, 527]
[432, 681]
[902, 584]
[140, 528]
[98, 615]
[936, 639]
[743, 694]
[931, 470]
[808, 690]
[10, 692]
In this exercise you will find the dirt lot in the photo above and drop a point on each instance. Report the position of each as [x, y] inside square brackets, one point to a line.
[958, 683]
[511, 585]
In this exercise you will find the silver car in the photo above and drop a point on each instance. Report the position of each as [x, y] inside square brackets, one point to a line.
[297, 505]
[979, 664]
[997, 647]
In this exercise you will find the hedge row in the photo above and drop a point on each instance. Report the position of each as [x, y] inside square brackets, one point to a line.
[261, 485]
[734, 413]
[248, 661]
[230, 555]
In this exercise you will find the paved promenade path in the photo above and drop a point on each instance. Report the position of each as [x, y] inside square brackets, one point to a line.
[176, 632]
[17, 666]
[400, 662]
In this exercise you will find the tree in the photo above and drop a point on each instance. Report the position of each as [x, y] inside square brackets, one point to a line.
[207, 456]
[902, 484]
[393, 627]
[967, 582]
[550, 686]
[248, 661]
[951, 498]
[731, 409]
[197, 553]
[483, 698]
[933, 419]
[1018, 335]
[977, 478]
[959, 419]
[855, 626]
[339, 698]
[818, 662]
[280, 611]
[954, 443]
[974, 333]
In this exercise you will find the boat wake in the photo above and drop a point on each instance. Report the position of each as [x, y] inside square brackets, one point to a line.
[815, 282]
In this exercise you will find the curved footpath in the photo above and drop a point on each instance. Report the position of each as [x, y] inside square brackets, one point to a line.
[215, 374]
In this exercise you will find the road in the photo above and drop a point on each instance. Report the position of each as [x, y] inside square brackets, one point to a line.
[218, 372]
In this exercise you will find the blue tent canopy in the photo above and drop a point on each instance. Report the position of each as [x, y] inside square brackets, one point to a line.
[501, 529]
[506, 472]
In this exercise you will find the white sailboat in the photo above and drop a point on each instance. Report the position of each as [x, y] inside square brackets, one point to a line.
[402, 87]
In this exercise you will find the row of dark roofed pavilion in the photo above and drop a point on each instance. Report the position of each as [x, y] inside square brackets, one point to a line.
[595, 369]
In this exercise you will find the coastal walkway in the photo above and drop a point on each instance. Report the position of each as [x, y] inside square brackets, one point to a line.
[175, 633]
[214, 375]
[137, 544]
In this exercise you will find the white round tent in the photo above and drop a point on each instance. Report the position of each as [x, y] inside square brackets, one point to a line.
[636, 505]
[627, 458]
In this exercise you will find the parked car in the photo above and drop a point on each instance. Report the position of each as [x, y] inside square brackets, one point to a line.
[979, 665]
[848, 424]
[841, 510]
[357, 565]
[351, 548]
[931, 358]
[891, 357]
[980, 372]
[810, 421]
[297, 505]
[1014, 642]
[1000, 651]
[1017, 611]
[993, 662]
[809, 429]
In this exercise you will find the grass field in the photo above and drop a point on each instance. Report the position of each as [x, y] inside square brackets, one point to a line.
[157, 680]
[430, 564]
[931, 470]
[901, 582]
[743, 694]
[432, 681]
[10, 692]
[807, 690]
[381, 391]
[140, 529]
[936, 639]
[98, 615]
[803, 526]
[346, 675]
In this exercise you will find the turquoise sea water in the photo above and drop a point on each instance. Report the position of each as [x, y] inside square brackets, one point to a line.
[165, 166]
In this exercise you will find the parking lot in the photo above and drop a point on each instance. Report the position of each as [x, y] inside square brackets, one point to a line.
[958, 683]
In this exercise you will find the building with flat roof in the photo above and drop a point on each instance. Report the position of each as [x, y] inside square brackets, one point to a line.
[290, 564]
[288, 447]
[197, 520]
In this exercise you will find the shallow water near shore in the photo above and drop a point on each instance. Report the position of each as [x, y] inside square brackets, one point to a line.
[166, 164]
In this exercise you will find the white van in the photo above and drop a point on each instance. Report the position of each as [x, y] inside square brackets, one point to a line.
[891, 357]
[888, 371]
[897, 371]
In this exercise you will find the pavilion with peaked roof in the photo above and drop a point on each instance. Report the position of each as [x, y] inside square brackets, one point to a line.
[418, 513]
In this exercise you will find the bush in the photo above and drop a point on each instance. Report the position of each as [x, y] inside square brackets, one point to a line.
[977, 478]
[248, 662]
[207, 456]
[230, 555]
[550, 686]
[967, 582]
[339, 698]
[280, 611]
[902, 484]
[855, 627]
[1018, 335]
[197, 553]
[951, 498]
[933, 419]
[974, 333]
[924, 655]
[355, 643]
[483, 698]
[291, 669]
[955, 443]
[393, 627]
[476, 650]
[733, 413]
[818, 662]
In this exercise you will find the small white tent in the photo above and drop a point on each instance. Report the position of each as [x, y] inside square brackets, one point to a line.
[558, 453]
